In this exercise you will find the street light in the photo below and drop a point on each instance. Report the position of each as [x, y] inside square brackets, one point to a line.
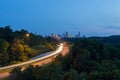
[27, 34]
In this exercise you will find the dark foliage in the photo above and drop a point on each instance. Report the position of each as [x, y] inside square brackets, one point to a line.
[89, 59]
[18, 46]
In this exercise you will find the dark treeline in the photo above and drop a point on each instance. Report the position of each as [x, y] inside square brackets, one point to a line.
[89, 59]
[115, 39]
[18, 46]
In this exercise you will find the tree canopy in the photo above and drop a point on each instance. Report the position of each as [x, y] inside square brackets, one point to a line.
[19, 46]
[88, 59]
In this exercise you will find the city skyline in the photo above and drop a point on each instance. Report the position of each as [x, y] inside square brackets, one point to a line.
[90, 17]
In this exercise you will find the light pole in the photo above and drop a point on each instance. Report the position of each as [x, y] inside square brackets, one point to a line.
[27, 37]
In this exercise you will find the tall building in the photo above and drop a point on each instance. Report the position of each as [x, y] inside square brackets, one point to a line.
[66, 34]
[78, 35]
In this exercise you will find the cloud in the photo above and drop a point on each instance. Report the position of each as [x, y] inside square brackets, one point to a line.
[112, 27]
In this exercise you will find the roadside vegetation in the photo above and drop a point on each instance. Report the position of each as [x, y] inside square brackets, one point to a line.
[20, 46]
[88, 59]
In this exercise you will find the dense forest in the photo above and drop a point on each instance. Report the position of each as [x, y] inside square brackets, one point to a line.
[19, 46]
[88, 59]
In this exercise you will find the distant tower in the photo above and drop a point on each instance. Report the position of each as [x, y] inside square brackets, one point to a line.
[63, 35]
[67, 35]
[84, 36]
[52, 34]
[78, 34]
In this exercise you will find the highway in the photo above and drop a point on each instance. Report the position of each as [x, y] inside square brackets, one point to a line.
[37, 58]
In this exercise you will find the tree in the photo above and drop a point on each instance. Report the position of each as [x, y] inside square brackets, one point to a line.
[70, 75]
[83, 76]
[16, 73]
[3, 46]
[81, 60]
[7, 34]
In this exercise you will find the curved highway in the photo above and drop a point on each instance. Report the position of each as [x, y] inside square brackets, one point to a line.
[38, 58]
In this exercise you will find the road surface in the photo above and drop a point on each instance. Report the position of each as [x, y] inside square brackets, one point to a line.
[38, 58]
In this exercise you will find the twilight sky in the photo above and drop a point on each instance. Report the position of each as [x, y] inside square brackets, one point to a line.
[90, 17]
